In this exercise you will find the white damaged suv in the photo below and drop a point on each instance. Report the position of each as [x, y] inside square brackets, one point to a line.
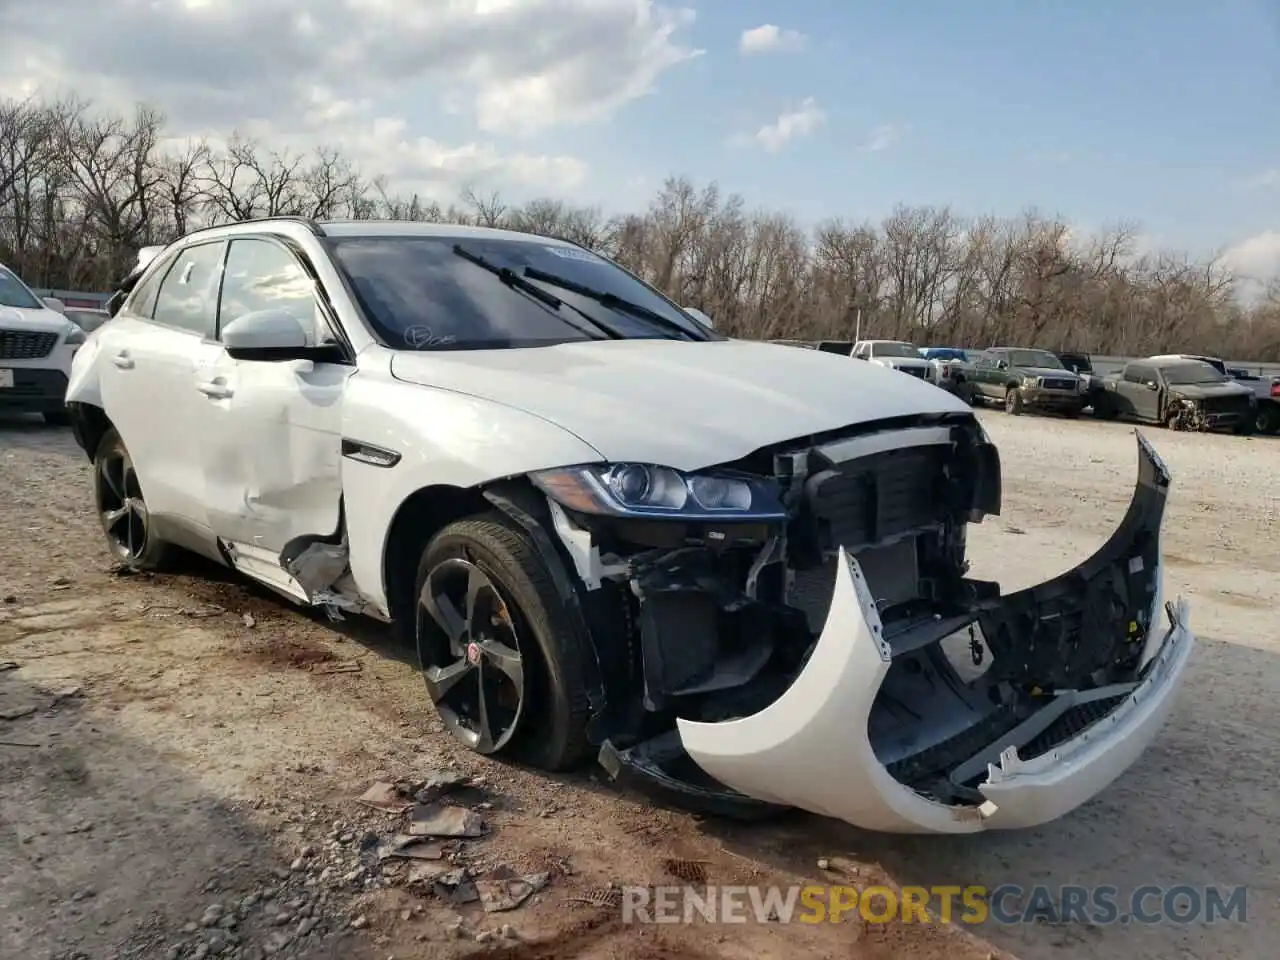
[732, 572]
[37, 342]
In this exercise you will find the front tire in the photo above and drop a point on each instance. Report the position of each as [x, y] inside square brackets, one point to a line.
[1013, 402]
[122, 508]
[502, 657]
[57, 418]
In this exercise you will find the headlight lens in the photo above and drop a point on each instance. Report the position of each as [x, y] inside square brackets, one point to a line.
[648, 490]
[1029, 381]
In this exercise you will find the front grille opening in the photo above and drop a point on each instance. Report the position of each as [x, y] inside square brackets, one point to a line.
[26, 344]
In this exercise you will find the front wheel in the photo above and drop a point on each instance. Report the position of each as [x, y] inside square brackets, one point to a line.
[122, 508]
[1013, 402]
[1267, 420]
[57, 418]
[502, 657]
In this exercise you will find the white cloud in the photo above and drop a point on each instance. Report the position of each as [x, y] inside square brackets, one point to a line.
[1256, 258]
[769, 38]
[487, 71]
[882, 138]
[790, 124]
[1266, 179]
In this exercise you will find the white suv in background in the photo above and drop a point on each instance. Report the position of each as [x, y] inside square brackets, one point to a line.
[36, 345]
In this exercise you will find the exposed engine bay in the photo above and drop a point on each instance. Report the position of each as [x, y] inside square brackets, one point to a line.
[713, 621]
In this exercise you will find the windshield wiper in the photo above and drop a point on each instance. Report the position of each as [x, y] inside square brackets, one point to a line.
[517, 282]
[610, 300]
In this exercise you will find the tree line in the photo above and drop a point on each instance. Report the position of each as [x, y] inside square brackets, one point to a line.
[81, 191]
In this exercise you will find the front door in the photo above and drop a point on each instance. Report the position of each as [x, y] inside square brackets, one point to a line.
[271, 431]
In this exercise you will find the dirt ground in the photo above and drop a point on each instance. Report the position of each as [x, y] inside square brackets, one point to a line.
[179, 756]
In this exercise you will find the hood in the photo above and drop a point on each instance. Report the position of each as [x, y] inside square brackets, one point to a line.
[1203, 391]
[1046, 372]
[679, 404]
[36, 321]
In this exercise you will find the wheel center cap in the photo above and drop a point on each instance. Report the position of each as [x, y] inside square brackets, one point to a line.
[473, 654]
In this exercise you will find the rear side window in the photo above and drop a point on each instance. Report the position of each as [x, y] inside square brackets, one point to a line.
[188, 297]
[142, 302]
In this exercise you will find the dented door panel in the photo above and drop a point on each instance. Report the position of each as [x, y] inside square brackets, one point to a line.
[272, 448]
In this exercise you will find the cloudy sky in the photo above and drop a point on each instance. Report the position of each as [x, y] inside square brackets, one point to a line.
[1159, 111]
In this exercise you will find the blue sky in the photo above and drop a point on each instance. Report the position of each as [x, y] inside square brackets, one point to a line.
[1161, 113]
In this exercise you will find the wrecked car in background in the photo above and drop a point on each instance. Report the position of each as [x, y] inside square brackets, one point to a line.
[733, 573]
[1178, 393]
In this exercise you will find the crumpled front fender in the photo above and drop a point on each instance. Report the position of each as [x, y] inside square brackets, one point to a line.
[811, 748]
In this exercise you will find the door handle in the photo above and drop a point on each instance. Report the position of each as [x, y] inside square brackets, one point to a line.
[216, 388]
[123, 360]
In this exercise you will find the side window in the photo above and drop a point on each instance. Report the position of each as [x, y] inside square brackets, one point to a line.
[1136, 374]
[142, 301]
[188, 295]
[263, 275]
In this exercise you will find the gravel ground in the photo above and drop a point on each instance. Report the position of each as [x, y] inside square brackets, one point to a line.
[183, 753]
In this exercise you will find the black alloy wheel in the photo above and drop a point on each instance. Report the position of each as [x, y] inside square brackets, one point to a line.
[475, 675]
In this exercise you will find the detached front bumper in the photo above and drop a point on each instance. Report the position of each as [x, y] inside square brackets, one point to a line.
[812, 747]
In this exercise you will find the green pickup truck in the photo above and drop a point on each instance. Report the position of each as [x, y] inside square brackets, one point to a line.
[1021, 378]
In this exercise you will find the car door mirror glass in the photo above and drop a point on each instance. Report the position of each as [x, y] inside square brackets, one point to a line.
[1002, 364]
[1152, 385]
[263, 334]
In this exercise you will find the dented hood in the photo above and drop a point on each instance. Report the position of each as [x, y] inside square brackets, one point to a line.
[681, 404]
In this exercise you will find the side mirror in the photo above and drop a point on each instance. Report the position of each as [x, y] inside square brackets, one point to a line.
[53, 303]
[266, 335]
[701, 317]
[1002, 364]
[1152, 385]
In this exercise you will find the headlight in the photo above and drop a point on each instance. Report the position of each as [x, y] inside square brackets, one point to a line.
[75, 336]
[646, 490]
[1029, 381]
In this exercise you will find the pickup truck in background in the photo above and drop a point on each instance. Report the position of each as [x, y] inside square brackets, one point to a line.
[949, 369]
[1265, 390]
[1179, 393]
[1022, 378]
[894, 354]
[1081, 365]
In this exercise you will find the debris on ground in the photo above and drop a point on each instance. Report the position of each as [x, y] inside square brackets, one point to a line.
[17, 713]
[249, 621]
[339, 666]
[6, 665]
[507, 893]
[439, 782]
[690, 871]
[408, 847]
[384, 796]
[432, 820]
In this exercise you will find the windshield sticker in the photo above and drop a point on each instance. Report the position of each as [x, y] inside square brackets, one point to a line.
[573, 253]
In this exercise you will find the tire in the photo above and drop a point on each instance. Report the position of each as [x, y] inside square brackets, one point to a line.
[1267, 420]
[1103, 409]
[130, 537]
[57, 418]
[549, 728]
[1245, 428]
[1013, 402]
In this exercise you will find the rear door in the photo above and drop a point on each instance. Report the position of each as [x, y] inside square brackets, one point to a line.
[151, 349]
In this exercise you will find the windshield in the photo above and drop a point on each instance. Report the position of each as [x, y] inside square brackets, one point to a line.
[421, 295]
[1034, 358]
[891, 349]
[1191, 372]
[14, 293]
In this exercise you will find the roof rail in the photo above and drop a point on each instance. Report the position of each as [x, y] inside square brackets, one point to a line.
[307, 222]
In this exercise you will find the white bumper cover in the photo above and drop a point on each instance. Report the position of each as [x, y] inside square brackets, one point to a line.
[811, 749]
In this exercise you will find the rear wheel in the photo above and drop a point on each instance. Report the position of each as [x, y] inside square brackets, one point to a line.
[502, 658]
[57, 418]
[1267, 419]
[122, 508]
